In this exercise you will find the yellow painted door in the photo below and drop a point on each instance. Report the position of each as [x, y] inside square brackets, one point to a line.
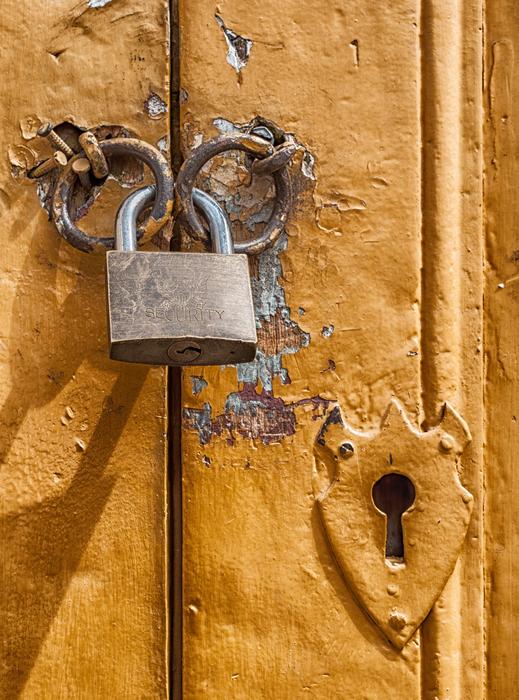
[375, 292]
[130, 491]
[83, 608]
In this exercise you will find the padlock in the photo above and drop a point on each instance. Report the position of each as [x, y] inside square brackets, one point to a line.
[169, 308]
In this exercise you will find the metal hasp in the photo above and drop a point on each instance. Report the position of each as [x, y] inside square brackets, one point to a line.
[394, 511]
[179, 308]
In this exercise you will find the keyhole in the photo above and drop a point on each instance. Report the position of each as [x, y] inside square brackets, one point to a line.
[393, 494]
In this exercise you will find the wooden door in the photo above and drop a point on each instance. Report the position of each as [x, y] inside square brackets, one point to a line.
[83, 440]
[128, 492]
[375, 292]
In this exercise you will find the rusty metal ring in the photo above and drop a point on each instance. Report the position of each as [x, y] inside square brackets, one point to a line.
[162, 206]
[255, 147]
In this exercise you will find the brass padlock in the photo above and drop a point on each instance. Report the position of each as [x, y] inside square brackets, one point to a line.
[179, 308]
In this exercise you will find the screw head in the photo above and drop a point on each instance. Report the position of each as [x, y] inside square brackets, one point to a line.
[397, 620]
[45, 129]
[346, 449]
[447, 443]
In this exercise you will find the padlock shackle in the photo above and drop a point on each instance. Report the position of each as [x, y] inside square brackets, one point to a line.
[127, 215]
[219, 224]
[129, 211]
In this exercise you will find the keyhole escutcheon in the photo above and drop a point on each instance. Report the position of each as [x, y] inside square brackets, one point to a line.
[394, 494]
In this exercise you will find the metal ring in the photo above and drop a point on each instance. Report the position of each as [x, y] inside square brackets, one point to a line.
[256, 147]
[160, 212]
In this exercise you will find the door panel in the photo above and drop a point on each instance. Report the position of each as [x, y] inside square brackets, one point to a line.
[501, 397]
[83, 608]
[374, 293]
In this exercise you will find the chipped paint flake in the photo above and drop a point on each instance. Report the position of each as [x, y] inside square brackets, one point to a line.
[307, 165]
[269, 303]
[327, 331]
[224, 126]
[238, 47]
[80, 444]
[198, 384]
[154, 106]
[163, 144]
[332, 216]
[29, 126]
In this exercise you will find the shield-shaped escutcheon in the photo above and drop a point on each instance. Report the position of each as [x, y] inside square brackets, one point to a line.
[396, 550]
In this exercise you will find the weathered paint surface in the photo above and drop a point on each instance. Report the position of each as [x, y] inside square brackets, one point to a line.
[82, 439]
[345, 317]
[374, 291]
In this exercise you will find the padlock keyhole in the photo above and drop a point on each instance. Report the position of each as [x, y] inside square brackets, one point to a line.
[393, 494]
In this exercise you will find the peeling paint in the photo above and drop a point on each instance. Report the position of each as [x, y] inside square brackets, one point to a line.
[251, 415]
[163, 144]
[22, 158]
[238, 47]
[154, 106]
[198, 384]
[224, 126]
[269, 303]
[331, 216]
[307, 165]
[29, 126]
[327, 331]
[253, 411]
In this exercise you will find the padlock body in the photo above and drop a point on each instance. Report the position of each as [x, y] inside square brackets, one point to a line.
[180, 308]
